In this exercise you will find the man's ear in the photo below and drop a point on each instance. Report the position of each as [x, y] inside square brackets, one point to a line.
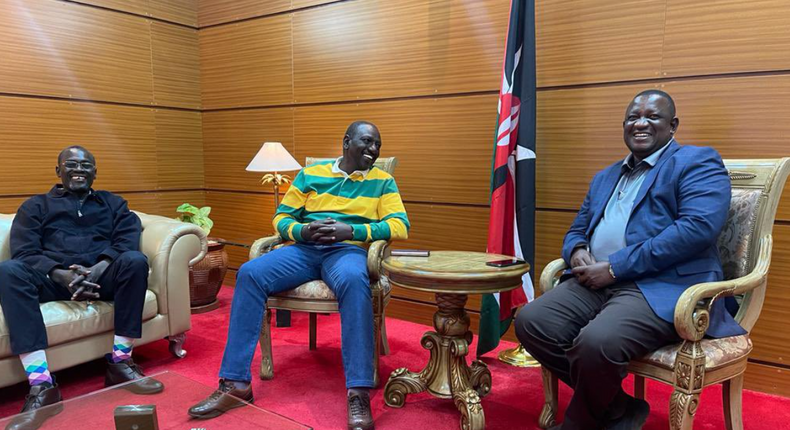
[346, 139]
[57, 171]
[675, 123]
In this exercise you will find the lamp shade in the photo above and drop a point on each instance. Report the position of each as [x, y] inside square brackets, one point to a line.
[273, 157]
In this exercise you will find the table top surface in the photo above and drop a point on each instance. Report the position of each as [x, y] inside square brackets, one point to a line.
[96, 410]
[457, 272]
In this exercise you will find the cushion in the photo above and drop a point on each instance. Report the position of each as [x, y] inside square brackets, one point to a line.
[735, 239]
[67, 321]
[318, 290]
[718, 352]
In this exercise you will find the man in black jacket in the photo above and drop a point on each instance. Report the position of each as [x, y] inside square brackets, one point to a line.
[73, 243]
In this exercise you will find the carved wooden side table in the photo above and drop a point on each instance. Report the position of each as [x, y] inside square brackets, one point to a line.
[452, 275]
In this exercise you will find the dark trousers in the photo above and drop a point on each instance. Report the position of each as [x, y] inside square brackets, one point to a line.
[587, 337]
[22, 288]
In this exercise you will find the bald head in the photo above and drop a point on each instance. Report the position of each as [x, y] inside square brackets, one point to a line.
[76, 169]
[72, 149]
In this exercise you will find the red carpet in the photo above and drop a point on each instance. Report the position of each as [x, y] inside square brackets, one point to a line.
[309, 385]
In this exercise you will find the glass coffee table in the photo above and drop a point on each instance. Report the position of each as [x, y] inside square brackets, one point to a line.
[96, 410]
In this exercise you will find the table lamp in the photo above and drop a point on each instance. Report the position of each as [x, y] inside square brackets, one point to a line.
[273, 157]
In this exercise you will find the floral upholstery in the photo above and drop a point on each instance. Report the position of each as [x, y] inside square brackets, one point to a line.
[318, 290]
[735, 239]
[718, 352]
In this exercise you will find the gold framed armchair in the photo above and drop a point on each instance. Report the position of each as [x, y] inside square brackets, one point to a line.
[695, 363]
[315, 297]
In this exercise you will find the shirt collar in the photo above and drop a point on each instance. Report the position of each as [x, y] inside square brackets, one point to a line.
[59, 191]
[652, 159]
[336, 169]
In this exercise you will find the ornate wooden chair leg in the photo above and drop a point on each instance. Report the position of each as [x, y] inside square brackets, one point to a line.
[551, 395]
[377, 320]
[689, 374]
[313, 328]
[732, 395]
[385, 344]
[267, 364]
[639, 387]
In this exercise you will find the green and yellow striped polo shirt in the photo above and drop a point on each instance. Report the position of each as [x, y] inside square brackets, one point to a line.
[367, 201]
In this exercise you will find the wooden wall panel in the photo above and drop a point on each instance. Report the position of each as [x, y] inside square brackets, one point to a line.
[179, 149]
[767, 379]
[247, 64]
[241, 217]
[443, 227]
[138, 7]
[213, 12]
[121, 138]
[67, 50]
[409, 48]
[595, 41]
[298, 4]
[233, 138]
[180, 11]
[434, 140]
[726, 36]
[176, 65]
[770, 334]
[9, 205]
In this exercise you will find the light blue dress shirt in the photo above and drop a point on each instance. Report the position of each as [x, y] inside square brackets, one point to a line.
[609, 234]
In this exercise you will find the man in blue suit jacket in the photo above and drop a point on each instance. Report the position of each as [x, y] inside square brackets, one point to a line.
[646, 231]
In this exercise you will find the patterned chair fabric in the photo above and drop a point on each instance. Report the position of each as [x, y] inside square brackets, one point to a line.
[318, 290]
[736, 237]
[718, 352]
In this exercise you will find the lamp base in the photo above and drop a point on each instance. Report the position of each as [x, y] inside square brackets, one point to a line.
[518, 357]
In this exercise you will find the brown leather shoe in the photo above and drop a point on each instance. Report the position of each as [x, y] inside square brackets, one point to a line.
[227, 397]
[43, 402]
[359, 416]
[126, 371]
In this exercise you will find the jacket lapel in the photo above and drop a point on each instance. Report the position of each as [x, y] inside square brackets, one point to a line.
[653, 173]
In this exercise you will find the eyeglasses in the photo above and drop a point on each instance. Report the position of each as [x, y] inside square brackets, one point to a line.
[87, 165]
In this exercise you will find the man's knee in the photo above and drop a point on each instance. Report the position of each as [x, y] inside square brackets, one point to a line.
[10, 271]
[133, 260]
[597, 345]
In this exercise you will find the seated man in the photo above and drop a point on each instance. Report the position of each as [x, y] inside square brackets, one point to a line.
[331, 209]
[646, 231]
[73, 243]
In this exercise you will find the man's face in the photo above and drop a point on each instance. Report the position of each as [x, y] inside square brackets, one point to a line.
[649, 125]
[362, 149]
[77, 170]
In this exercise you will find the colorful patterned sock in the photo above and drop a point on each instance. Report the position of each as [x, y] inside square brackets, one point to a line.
[36, 367]
[122, 348]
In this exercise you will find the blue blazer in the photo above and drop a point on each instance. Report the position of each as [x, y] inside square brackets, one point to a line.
[672, 232]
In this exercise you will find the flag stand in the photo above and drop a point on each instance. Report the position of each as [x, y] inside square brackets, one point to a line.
[518, 357]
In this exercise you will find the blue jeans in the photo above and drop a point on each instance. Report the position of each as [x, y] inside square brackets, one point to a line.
[341, 266]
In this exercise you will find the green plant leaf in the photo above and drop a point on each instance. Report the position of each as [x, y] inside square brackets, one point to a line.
[187, 208]
[205, 211]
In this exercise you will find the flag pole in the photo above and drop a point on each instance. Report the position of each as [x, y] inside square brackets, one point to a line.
[518, 356]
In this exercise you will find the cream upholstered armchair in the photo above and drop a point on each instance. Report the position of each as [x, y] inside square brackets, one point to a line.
[697, 362]
[315, 297]
[79, 332]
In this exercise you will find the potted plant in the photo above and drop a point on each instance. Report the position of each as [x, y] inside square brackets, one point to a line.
[205, 277]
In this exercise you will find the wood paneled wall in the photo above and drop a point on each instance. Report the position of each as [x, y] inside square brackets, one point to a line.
[121, 78]
[427, 72]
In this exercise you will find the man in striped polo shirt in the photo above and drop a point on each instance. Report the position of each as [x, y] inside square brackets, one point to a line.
[331, 211]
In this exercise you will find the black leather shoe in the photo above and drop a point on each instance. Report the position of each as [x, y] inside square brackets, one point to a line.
[228, 396]
[359, 416]
[634, 418]
[43, 402]
[126, 371]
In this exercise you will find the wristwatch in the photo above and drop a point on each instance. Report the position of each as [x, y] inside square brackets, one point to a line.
[611, 272]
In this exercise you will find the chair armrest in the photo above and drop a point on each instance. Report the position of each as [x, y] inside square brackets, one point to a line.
[550, 275]
[171, 247]
[692, 312]
[264, 245]
[378, 251]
